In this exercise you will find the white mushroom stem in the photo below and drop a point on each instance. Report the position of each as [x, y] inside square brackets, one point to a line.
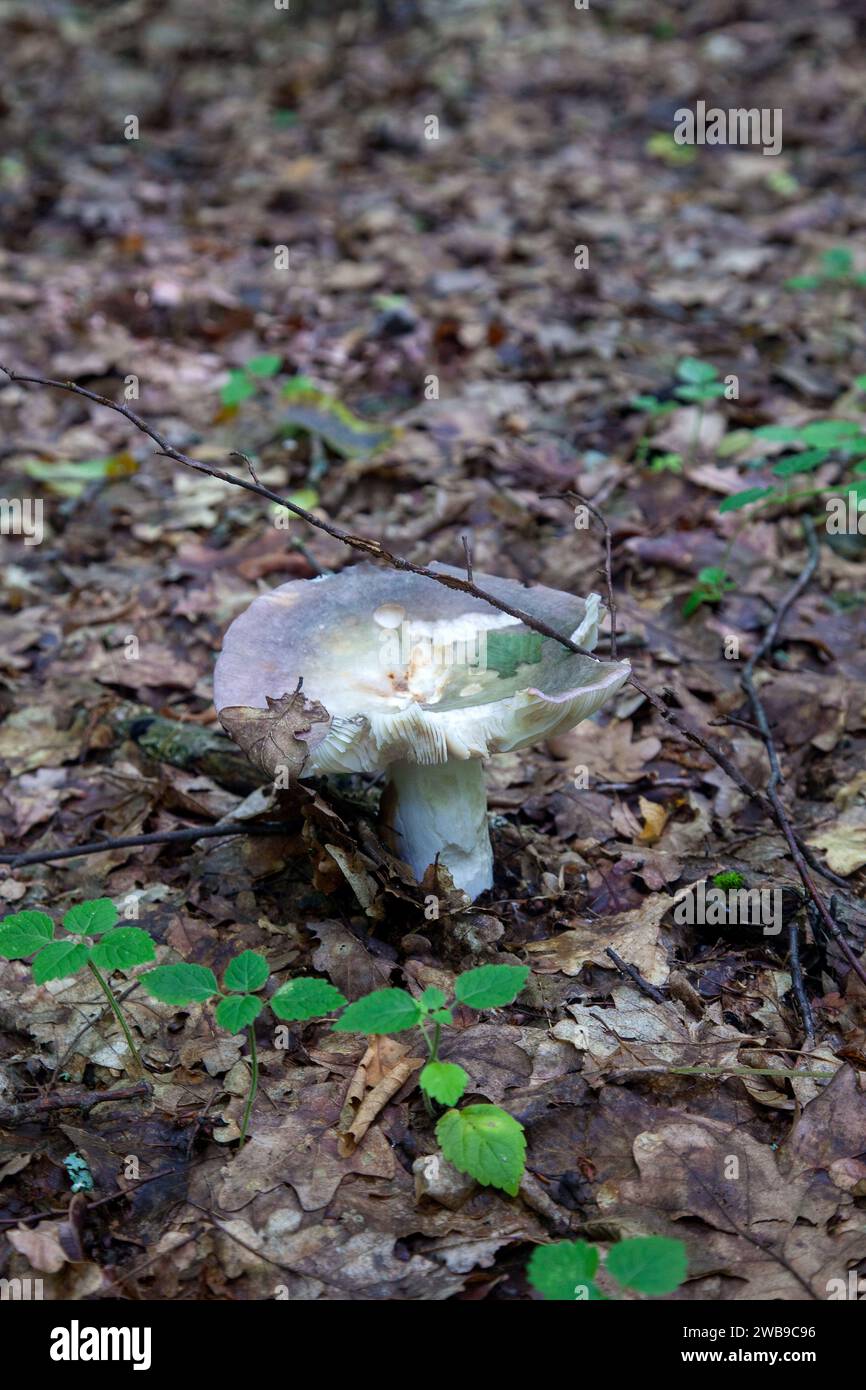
[441, 808]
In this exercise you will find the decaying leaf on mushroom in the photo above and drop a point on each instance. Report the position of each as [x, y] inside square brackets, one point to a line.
[374, 670]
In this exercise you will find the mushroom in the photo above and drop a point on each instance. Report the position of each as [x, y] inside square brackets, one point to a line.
[417, 680]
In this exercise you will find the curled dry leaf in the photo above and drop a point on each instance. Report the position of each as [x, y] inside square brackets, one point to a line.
[382, 1070]
[276, 739]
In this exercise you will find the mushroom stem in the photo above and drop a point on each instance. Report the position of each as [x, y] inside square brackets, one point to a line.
[441, 808]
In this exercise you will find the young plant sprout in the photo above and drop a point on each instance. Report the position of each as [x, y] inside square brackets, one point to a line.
[408, 677]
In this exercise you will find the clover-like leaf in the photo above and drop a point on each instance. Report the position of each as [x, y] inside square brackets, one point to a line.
[237, 1011]
[383, 1011]
[444, 1081]
[246, 973]
[648, 1264]
[122, 949]
[59, 959]
[91, 918]
[485, 1142]
[180, 984]
[490, 986]
[23, 933]
[306, 998]
[565, 1271]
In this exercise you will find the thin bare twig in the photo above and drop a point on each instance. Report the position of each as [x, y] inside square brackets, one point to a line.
[633, 974]
[159, 837]
[747, 679]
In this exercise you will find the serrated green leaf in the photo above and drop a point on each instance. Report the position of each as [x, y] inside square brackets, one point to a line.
[563, 1271]
[122, 949]
[696, 372]
[383, 1011]
[485, 1142]
[267, 364]
[442, 1016]
[246, 973]
[432, 998]
[306, 998]
[59, 959]
[180, 984]
[743, 499]
[22, 933]
[490, 986]
[91, 918]
[237, 1011]
[648, 1264]
[444, 1081]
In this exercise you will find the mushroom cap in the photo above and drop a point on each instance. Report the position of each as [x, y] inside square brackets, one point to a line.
[410, 670]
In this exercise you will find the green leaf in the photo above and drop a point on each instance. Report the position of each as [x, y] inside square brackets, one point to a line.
[246, 973]
[383, 1011]
[742, 499]
[238, 388]
[432, 998]
[123, 948]
[60, 959]
[444, 1081]
[783, 434]
[91, 918]
[486, 1143]
[803, 282]
[827, 434]
[860, 383]
[800, 463]
[180, 984]
[490, 986]
[22, 933]
[237, 1011]
[306, 998]
[563, 1270]
[708, 391]
[837, 262]
[268, 364]
[719, 578]
[696, 372]
[442, 1016]
[648, 1264]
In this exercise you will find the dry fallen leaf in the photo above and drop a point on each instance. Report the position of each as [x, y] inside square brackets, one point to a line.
[633, 935]
[274, 739]
[844, 841]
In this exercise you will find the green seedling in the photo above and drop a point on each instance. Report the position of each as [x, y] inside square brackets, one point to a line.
[811, 445]
[835, 267]
[30, 933]
[653, 409]
[239, 1004]
[243, 382]
[713, 583]
[566, 1271]
[481, 1140]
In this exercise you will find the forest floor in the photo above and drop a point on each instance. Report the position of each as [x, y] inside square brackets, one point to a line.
[462, 365]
